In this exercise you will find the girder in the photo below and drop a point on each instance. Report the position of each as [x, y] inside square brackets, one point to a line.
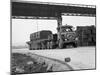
[21, 8]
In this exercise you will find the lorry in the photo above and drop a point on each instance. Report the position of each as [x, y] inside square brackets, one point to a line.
[66, 36]
[45, 39]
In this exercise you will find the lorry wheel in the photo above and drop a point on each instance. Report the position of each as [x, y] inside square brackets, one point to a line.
[64, 45]
[48, 47]
[51, 46]
[29, 48]
[74, 45]
[60, 45]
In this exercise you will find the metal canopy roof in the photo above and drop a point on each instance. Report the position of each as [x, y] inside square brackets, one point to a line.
[44, 9]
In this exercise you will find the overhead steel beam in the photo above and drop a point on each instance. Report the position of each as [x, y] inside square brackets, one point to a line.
[40, 9]
[75, 14]
[52, 18]
[33, 17]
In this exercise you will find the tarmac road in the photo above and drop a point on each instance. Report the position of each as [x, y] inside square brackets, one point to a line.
[81, 57]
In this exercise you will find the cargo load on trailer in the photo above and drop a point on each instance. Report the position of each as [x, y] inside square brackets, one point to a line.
[38, 39]
[86, 35]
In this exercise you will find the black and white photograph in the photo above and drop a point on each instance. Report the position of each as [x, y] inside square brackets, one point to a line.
[52, 37]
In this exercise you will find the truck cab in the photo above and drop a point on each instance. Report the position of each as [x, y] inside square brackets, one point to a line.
[66, 36]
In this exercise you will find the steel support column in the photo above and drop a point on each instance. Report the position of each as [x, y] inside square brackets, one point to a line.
[59, 22]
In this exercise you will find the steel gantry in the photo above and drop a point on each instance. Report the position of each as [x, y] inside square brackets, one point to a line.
[46, 10]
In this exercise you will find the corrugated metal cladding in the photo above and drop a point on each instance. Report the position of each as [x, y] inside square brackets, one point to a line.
[46, 10]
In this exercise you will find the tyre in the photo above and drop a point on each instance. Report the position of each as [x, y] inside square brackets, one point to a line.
[48, 45]
[74, 45]
[51, 45]
[60, 44]
[30, 48]
[64, 45]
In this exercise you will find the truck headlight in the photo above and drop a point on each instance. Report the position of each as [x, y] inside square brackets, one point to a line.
[76, 38]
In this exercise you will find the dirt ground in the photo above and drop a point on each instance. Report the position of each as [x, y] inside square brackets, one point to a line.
[21, 63]
[81, 57]
[27, 63]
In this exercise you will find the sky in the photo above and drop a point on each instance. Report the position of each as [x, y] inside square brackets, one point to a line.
[22, 28]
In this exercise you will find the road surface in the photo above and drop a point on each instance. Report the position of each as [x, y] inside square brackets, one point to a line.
[81, 57]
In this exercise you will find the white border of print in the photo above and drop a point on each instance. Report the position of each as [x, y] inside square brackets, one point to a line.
[5, 37]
